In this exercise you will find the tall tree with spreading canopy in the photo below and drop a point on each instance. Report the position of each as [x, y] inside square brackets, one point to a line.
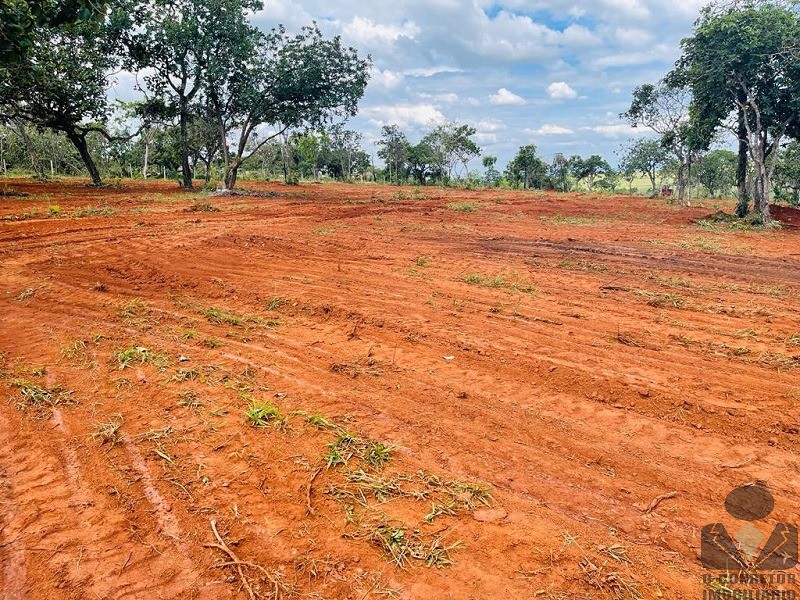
[742, 68]
[63, 85]
[526, 168]
[280, 82]
[664, 109]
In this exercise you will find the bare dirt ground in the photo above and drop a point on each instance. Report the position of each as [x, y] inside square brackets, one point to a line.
[493, 389]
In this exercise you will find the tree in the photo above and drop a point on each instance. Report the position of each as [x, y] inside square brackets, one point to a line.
[589, 169]
[526, 169]
[287, 82]
[559, 172]
[718, 172]
[742, 62]
[645, 157]
[423, 163]
[452, 142]
[22, 20]
[64, 85]
[787, 175]
[664, 109]
[492, 176]
[394, 151]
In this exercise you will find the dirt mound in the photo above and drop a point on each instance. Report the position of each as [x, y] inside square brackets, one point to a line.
[788, 216]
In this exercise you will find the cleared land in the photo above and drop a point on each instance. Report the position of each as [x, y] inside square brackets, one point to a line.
[554, 393]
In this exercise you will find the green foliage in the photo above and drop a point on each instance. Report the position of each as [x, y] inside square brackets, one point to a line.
[21, 21]
[264, 414]
[589, 169]
[646, 157]
[526, 169]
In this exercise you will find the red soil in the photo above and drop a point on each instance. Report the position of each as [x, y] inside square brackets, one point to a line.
[580, 355]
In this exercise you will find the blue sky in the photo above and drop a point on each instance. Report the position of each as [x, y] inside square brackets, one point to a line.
[555, 73]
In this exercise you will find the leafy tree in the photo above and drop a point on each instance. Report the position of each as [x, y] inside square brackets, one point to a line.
[492, 176]
[452, 143]
[394, 151]
[288, 82]
[743, 61]
[645, 157]
[559, 172]
[63, 86]
[423, 161]
[589, 169]
[664, 109]
[787, 175]
[22, 20]
[526, 169]
[718, 171]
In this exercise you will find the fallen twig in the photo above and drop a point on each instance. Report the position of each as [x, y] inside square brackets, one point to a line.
[309, 508]
[750, 460]
[654, 504]
[239, 564]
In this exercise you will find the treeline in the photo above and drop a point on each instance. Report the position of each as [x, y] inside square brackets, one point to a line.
[216, 92]
[220, 99]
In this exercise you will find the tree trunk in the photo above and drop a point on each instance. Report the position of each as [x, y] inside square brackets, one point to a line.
[38, 169]
[79, 141]
[186, 169]
[230, 180]
[146, 155]
[741, 172]
[762, 183]
[681, 182]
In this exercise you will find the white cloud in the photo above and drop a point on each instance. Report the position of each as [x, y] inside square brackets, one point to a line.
[368, 33]
[561, 90]
[404, 115]
[619, 130]
[549, 130]
[430, 71]
[387, 79]
[450, 98]
[504, 97]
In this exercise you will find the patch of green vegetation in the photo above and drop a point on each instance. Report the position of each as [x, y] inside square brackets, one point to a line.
[108, 432]
[276, 303]
[403, 546]
[560, 219]
[422, 261]
[264, 414]
[221, 316]
[133, 309]
[35, 396]
[140, 355]
[661, 300]
[54, 210]
[92, 211]
[516, 283]
[464, 207]
[347, 446]
[320, 422]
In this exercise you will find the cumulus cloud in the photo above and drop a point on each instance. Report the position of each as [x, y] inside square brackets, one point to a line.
[561, 90]
[404, 115]
[618, 130]
[549, 130]
[387, 79]
[368, 33]
[504, 97]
